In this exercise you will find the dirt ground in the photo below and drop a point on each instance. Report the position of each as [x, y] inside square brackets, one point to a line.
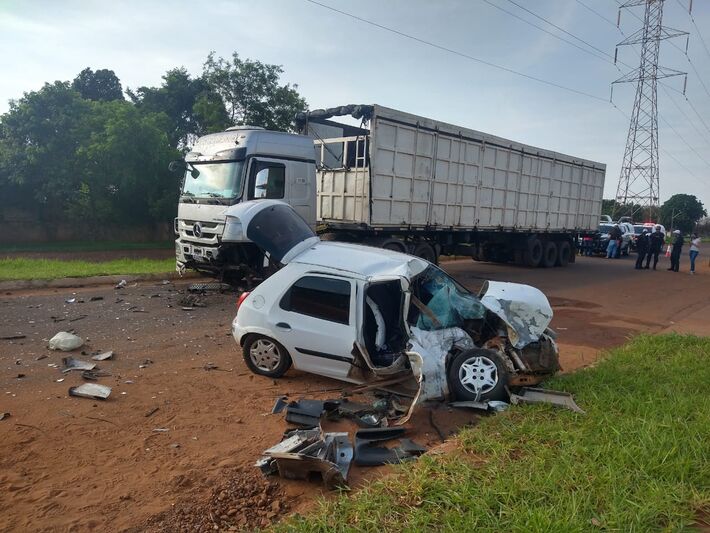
[174, 446]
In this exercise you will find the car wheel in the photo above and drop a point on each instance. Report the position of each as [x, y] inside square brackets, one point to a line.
[266, 357]
[478, 375]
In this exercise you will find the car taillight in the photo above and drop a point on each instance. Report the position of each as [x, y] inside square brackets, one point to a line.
[242, 297]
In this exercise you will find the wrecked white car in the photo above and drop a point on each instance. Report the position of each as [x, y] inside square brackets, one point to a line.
[366, 315]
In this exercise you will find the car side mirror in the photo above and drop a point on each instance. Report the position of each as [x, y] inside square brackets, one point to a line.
[177, 167]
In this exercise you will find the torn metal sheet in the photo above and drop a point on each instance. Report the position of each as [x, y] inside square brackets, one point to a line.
[524, 309]
[529, 395]
[102, 356]
[72, 363]
[279, 405]
[306, 413]
[483, 406]
[91, 390]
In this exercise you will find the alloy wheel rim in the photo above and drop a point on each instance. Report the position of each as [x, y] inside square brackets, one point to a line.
[265, 355]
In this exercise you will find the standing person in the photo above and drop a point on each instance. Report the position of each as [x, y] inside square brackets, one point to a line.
[694, 251]
[641, 249]
[676, 251]
[614, 236]
[655, 243]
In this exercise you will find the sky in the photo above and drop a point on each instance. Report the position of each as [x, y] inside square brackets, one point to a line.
[336, 60]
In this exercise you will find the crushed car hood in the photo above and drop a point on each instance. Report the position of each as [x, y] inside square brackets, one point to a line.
[524, 309]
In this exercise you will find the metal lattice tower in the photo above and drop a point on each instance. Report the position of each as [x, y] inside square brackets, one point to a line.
[639, 180]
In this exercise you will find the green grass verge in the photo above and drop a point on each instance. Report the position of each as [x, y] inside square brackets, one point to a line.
[86, 246]
[21, 268]
[637, 461]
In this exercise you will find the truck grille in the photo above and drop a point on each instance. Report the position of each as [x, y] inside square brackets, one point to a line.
[208, 236]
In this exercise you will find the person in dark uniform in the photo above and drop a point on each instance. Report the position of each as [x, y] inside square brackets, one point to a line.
[676, 251]
[655, 243]
[641, 249]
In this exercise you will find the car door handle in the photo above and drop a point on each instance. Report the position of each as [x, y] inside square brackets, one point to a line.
[283, 325]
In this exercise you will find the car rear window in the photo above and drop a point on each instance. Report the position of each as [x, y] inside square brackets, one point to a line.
[319, 297]
[277, 229]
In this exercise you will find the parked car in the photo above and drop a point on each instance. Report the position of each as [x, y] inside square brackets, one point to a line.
[626, 238]
[361, 314]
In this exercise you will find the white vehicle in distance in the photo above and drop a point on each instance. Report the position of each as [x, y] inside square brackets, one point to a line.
[362, 315]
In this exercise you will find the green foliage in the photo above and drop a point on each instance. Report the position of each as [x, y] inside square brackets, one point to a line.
[251, 92]
[101, 85]
[682, 211]
[639, 460]
[617, 210]
[20, 268]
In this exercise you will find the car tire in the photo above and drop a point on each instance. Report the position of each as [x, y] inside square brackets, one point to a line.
[549, 254]
[425, 251]
[265, 356]
[478, 374]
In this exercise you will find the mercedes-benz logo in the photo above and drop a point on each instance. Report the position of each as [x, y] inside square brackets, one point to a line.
[197, 230]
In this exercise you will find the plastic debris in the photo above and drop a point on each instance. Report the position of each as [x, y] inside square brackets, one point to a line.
[102, 356]
[91, 390]
[70, 300]
[553, 397]
[4, 416]
[121, 284]
[65, 342]
[72, 363]
[367, 454]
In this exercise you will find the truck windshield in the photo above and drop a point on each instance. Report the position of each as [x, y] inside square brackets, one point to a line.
[215, 180]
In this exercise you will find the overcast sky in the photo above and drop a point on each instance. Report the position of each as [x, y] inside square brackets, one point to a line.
[336, 60]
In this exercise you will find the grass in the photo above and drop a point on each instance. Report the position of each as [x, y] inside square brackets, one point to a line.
[637, 461]
[21, 268]
[85, 246]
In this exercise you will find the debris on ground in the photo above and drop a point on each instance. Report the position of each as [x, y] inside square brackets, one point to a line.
[191, 300]
[213, 286]
[72, 363]
[65, 342]
[307, 452]
[244, 501]
[367, 453]
[151, 412]
[306, 413]
[95, 374]
[91, 390]
[13, 337]
[3, 416]
[96, 298]
[528, 395]
[121, 284]
[102, 356]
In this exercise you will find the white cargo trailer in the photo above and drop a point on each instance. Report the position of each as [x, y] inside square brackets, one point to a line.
[396, 180]
[413, 181]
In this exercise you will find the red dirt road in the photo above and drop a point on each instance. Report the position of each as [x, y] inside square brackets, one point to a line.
[83, 465]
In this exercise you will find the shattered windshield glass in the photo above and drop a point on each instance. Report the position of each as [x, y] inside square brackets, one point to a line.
[446, 304]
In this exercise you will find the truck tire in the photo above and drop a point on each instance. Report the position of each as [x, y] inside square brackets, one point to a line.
[388, 243]
[425, 251]
[564, 252]
[533, 254]
[549, 254]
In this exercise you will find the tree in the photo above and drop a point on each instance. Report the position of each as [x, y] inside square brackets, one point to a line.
[682, 211]
[192, 108]
[252, 93]
[617, 210]
[102, 85]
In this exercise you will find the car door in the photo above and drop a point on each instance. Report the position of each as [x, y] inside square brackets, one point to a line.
[316, 322]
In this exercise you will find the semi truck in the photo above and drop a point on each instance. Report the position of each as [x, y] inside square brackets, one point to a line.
[386, 178]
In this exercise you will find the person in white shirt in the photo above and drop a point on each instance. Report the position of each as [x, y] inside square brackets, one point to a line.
[694, 251]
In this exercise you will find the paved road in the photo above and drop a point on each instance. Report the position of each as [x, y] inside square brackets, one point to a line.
[70, 463]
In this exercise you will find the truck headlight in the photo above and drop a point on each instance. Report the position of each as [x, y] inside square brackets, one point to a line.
[232, 230]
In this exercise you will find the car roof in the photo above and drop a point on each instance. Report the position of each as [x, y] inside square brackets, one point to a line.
[360, 261]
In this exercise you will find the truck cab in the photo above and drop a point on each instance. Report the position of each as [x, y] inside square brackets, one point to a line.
[223, 169]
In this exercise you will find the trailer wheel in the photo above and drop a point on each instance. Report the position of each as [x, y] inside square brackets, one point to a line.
[425, 251]
[533, 255]
[549, 254]
[564, 252]
[388, 243]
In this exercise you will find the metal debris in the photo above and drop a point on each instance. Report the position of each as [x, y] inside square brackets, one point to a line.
[72, 363]
[96, 298]
[13, 337]
[91, 390]
[94, 374]
[4, 416]
[367, 454]
[529, 395]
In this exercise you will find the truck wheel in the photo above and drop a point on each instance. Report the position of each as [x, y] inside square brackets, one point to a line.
[388, 243]
[564, 252]
[478, 374]
[265, 356]
[425, 251]
[533, 255]
[549, 254]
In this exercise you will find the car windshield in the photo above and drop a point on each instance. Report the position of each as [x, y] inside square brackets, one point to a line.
[214, 180]
[638, 230]
[446, 303]
[605, 228]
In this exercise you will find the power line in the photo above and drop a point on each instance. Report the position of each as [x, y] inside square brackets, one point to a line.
[692, 19]
[456, 52]
[697, 130]
[585, 50]
[559, 28]
[598, 14]
[698, 114]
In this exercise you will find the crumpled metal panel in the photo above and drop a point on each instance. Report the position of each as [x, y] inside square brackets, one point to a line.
[524, 309]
